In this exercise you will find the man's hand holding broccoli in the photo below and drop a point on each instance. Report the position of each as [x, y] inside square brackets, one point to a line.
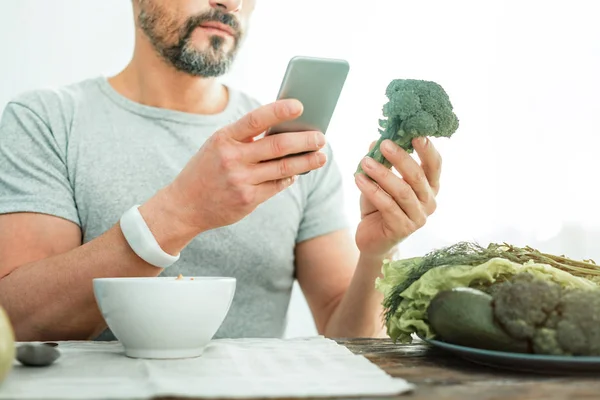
[393, 207]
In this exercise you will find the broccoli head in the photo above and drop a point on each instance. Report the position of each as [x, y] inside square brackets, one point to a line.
[415, 108]
[522, 304]
[556, 320]
[538, 316]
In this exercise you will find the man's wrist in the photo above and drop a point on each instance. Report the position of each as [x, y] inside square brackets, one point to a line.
[378, 258]
[164, 218]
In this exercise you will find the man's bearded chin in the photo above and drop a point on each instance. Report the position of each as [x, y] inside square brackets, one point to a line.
[210, 62]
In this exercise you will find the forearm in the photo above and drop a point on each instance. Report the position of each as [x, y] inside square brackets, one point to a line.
[53, 299]
[359, 312]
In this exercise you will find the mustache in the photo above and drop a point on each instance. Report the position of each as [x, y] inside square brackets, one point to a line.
[214, 15]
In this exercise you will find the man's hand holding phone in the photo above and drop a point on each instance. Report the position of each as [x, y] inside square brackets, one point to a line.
[248, 162]
[232, 173]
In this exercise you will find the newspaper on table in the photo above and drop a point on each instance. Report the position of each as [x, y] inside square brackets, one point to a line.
[228, 368]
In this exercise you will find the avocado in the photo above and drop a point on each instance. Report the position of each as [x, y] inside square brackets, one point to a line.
[465, 317]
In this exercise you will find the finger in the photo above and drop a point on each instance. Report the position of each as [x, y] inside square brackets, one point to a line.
[269, 189]
[257, 121]
[397, 188]
[286, 167]
[431, 162]
[410, 170]
[391, 212]
[277, 146]
[366, 207]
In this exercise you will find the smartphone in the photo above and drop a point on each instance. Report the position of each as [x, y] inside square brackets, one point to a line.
[317, 83]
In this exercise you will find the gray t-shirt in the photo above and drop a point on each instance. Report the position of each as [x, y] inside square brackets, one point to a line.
[85, 153]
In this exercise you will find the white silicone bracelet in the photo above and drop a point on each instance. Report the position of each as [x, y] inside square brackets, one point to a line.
[142, 241]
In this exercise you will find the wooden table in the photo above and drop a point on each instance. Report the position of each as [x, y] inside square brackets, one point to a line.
[439, 375]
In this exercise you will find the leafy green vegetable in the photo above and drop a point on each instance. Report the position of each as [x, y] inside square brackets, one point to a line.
[415, 108]
[409, 285]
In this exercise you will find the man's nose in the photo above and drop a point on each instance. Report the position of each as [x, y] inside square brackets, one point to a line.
[227, 5]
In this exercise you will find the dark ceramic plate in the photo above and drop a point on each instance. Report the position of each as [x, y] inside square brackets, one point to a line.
[537, 363]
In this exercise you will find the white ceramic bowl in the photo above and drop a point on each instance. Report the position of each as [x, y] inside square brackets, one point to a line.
[164, 317]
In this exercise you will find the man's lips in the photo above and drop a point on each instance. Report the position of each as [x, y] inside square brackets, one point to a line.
[218, 26]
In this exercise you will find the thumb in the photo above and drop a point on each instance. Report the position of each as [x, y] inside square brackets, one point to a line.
[259, 120]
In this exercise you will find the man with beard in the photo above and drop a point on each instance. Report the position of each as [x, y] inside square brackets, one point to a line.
[215, 196]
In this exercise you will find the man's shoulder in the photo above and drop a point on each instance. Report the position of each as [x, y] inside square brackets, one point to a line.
[50, 103]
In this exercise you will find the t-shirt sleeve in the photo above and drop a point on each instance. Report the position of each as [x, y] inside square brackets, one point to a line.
[33, 170]
[324, 210]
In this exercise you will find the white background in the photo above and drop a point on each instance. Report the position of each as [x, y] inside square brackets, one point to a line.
[522, 75]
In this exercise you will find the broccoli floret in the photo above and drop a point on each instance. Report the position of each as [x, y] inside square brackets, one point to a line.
[522, 304]
[555, 320]
[415, 108]
[578, 329]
